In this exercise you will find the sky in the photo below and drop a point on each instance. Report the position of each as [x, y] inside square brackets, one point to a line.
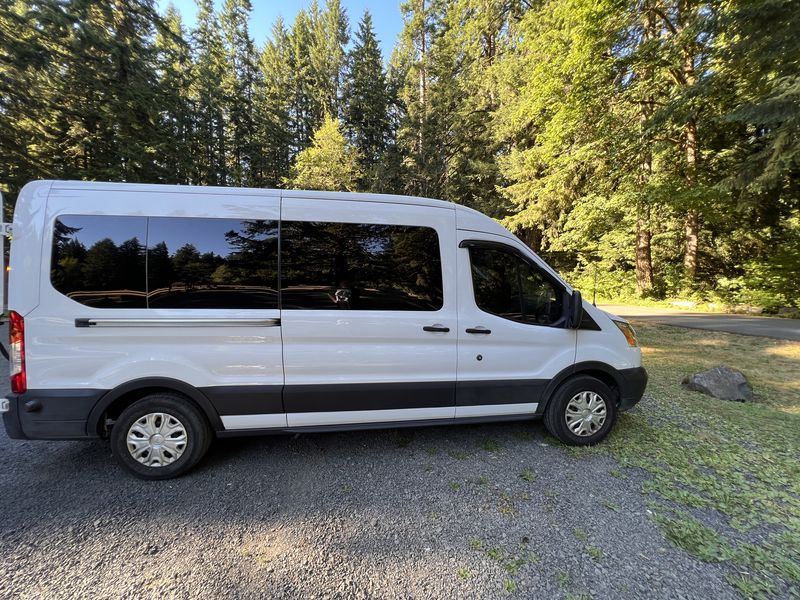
[386, 16]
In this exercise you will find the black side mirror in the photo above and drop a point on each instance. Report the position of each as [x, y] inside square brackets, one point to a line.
[575, 310]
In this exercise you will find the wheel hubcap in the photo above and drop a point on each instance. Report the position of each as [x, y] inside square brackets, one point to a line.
[157, 439]
[586, 413]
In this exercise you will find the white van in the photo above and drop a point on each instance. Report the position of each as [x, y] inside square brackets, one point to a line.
[162, 316]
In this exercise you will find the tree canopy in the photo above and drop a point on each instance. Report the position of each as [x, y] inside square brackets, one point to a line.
[655, 142]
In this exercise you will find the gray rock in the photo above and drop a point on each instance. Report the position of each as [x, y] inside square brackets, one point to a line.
[721, 382]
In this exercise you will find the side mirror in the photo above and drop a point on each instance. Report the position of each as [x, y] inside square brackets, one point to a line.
[575, 310]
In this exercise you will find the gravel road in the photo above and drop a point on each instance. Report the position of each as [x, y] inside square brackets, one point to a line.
[413, 513]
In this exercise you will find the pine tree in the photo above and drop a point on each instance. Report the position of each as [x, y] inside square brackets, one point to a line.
[238, 83]
[304, 110]
[329, 163]
[28, 140]
[329, 38]
[176, 118]
[418, 136]
[271, 111]
[210, 134]
[365, 103]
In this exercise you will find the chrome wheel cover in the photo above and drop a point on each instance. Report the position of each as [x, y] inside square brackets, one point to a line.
[586, 412]
[156, 439]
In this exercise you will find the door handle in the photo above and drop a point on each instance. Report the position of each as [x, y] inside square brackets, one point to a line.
[482, 330]
[436, 328]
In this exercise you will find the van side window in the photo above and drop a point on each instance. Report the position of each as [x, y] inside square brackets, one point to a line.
[99, 260]
[353, 266]
[212, 263]
[507, 286]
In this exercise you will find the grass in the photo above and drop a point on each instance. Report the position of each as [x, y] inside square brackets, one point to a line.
[725, 476]
[465, 573]
[563, 580]
[491, 446]
[594, 552]
[528, 475]
[513, 563]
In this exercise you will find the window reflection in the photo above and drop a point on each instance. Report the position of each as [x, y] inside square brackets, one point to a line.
[509, 287]
[212, 263]
[99, 260]
[353, 266]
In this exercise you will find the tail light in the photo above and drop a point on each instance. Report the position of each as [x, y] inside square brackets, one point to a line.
[19, 382]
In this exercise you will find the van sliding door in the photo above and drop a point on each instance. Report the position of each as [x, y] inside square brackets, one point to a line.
[368, 312]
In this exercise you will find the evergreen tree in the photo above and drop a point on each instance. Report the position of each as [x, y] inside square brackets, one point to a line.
[304, 109]
[418, 135]
[176, 117]
[327, 55]
[271, 108]
[239, 80]
[329, 163]
[365, 103]
[29, 35]
[210, 134]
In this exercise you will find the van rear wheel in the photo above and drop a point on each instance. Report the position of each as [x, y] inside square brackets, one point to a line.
[160, 436]
[581, 412]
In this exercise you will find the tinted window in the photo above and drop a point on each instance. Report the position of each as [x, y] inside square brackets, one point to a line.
[352, 266]
[99, 260]
[510, 287]
[212, 263]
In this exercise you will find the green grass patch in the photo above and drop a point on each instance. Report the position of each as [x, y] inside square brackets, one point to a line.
[491, 446]
[594, 552]
[734, 462]
[465, 573]
[510, 586]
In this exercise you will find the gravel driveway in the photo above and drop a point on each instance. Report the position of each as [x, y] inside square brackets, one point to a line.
[448, 512]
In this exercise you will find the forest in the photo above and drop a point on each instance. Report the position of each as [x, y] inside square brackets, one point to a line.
[650, 148]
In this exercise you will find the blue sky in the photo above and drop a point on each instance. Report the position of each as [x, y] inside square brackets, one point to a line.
[385, 16]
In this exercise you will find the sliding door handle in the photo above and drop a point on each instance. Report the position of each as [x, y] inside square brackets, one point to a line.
[482, 330]
[436, 328]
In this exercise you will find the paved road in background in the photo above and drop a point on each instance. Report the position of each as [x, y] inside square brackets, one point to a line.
[783, 329]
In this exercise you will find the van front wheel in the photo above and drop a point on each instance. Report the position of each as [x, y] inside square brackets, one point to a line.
[160, 436]
[581, 412]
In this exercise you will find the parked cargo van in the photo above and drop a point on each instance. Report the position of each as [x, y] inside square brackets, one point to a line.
[161, 317]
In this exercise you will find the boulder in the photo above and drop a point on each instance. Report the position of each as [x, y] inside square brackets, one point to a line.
[721, 382]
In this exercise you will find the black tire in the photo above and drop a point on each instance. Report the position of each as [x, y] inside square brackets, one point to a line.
[555, 415]
[198, 435]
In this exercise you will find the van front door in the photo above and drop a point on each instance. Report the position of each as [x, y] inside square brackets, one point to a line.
[368, 312]
[512, 335]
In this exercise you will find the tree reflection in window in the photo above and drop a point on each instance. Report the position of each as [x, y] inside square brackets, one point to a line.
[100, 260]
[212, 263]
[360, 266]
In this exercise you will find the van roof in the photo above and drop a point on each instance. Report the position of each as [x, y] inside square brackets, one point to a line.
[466, 218]
[196, 189]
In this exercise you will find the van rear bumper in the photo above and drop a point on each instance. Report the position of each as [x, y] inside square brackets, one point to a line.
[631, 387]
[50, 414]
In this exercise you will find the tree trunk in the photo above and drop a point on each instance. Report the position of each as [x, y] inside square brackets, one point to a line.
[692, 231]
[423, 75]
[644, 255]
[692, 223]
